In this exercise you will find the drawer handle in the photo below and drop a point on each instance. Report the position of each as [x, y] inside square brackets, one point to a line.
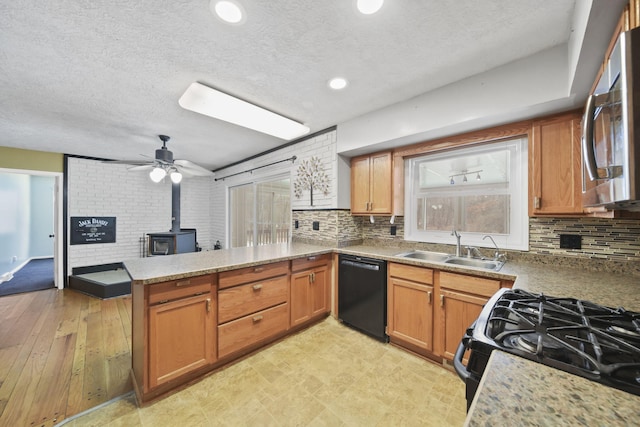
[257, 287]
[258, 269]
[208, 305]
[257, 318]
[429, 297]
[312, 258]
[441, 300]
[183, 283]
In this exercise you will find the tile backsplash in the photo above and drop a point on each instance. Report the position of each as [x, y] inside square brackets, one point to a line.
[611, 243]
[614, 239]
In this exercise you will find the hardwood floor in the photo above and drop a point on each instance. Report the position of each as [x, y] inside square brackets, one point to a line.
[61, 353]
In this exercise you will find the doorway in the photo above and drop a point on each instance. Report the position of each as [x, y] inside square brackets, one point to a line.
[30, 225]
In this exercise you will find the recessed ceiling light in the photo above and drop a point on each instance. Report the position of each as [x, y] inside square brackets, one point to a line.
[213, 103]
[368, 7]
[338, 83]
[229, 11]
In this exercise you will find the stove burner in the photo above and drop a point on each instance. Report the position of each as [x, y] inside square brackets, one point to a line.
[529, 342]
[623, 331]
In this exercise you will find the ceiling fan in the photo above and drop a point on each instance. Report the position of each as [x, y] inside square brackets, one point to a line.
[164, 164]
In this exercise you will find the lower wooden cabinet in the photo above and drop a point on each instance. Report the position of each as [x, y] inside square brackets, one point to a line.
[181, 337]
[173, 333]
[310, 288]
[410, 305]
[461, 300]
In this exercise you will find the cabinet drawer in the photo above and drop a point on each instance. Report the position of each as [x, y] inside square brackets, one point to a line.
[309, 262]
[176, 289]
[469, 284]
[246, 299]
[246, 331]
[226, 279]
[409, 272]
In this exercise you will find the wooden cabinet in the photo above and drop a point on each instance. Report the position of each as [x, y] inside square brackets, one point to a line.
[173, 332]
[181, 337]
[252, 306]
[410, 306]
[555, 173]
[461, 300]
[371, 184]
[310, 280]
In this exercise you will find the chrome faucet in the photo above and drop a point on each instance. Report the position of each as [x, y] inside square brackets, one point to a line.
[455, 233]
[497, 255]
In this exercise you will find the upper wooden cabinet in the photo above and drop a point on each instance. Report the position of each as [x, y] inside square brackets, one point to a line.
[371, 184]
[555, 174]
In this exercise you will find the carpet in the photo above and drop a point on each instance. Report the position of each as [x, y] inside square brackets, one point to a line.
[36, 275]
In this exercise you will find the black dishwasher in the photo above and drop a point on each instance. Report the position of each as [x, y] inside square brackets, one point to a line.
[362, 295]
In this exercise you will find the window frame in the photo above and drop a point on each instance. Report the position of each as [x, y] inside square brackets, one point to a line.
[518, 239]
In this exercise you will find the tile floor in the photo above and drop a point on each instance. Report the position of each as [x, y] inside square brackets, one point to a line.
[327, 375]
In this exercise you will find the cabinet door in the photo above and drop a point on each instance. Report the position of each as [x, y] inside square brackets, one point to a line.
[319, 291]
[181, 338]
[410, 313]
[300, 296]
[360, 188]
[459, 312]
[556, 179]
[380, 189]
[309, 294]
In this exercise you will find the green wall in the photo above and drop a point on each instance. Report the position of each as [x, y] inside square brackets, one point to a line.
[17, 158]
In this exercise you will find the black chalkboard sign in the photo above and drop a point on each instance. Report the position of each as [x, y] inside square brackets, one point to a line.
[93, 229]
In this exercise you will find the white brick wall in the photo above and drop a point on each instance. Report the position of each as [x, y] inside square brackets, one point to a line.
[322, 146]
[139, 205]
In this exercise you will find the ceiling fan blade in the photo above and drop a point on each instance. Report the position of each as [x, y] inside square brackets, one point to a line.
[136, 168]
[130, 162]
[189, 168]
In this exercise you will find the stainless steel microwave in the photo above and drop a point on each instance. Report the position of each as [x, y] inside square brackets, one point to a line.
[611, 131]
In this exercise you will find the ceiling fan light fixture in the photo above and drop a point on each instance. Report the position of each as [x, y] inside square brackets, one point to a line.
[176, 177]
[369, 7]
[230, 12]
[157, 174]
[213, 103]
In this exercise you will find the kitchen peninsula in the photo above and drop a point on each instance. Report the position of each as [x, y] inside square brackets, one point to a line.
[259, 269]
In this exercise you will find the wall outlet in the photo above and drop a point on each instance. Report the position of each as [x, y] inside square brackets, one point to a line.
[570, 241]
[14, 259]
[393, 230]
[316, 225]
[296, 224]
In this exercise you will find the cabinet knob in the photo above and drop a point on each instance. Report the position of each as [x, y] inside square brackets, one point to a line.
[257, 318]
[257, 287]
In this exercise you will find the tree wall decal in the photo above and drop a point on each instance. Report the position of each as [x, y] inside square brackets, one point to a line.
[311, 176]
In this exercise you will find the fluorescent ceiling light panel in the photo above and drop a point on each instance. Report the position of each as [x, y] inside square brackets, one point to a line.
[213, 103]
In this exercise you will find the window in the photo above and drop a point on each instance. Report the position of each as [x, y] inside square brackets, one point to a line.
[477, 191]
[260, 213]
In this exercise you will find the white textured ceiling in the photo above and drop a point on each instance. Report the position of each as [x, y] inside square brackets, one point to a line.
[102, 78]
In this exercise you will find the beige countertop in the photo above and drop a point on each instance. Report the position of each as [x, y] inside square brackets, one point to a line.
[518, 392]
[145, 271]
[559, 279]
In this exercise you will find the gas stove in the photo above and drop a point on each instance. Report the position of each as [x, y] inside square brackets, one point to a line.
[583, 338]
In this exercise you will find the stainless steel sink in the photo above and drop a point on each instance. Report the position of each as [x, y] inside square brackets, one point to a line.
[425, 255]
[452, 259]
[474, 262]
